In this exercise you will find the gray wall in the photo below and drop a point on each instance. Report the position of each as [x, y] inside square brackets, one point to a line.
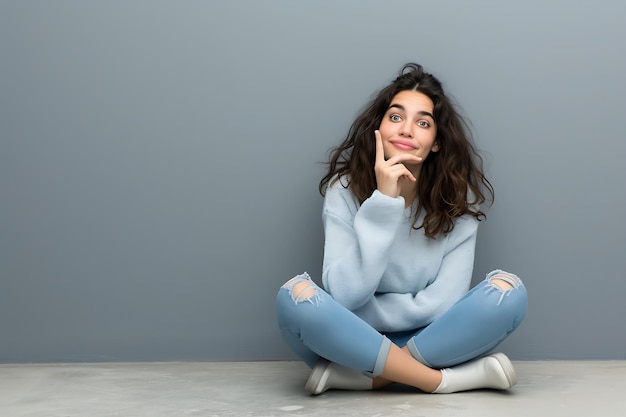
[159, 163]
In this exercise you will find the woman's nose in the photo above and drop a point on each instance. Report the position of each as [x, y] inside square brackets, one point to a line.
[405, 130]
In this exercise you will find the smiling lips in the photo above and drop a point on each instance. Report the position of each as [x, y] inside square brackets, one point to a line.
[403, 144]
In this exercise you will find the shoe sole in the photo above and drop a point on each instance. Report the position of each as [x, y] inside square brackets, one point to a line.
[317, 379]
[507, 367]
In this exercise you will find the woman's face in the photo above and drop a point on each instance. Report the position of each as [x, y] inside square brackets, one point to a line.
[408, 125]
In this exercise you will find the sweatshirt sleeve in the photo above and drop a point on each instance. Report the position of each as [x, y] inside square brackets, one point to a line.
[357, 243]
[396, 311]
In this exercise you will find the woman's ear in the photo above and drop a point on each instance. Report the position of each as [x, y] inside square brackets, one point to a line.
[435, 147]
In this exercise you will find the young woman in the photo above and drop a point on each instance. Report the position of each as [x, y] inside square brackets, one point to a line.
[401, 211]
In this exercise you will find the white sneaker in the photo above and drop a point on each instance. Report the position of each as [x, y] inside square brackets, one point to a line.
[328, 375]
[494, 372]
[505, 366]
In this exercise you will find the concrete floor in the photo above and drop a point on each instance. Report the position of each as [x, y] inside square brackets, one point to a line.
[554, 388]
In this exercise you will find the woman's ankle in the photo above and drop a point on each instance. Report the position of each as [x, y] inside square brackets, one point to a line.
[404, 368]
[379, 383]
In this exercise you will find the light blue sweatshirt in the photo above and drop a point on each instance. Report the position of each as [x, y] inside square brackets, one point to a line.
[392, 276]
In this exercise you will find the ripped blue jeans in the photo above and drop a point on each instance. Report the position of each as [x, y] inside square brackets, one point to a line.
[314, 325]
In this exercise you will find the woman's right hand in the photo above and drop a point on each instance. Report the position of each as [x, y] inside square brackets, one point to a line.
[388, 172]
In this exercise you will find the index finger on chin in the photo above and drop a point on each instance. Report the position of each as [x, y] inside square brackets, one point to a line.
[380, 152]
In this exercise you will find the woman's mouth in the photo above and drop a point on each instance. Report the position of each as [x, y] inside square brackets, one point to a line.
[405, 146]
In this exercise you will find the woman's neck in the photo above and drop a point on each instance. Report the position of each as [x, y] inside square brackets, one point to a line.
[408, 190]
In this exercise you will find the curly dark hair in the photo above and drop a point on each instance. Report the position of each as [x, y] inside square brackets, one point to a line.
[451, 182]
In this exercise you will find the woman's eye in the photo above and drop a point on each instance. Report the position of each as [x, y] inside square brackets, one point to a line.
[395, 118]
[423, 123]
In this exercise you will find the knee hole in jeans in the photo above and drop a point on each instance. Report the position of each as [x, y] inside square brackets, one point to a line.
[503, 281]
[303, 291]
[302, 288]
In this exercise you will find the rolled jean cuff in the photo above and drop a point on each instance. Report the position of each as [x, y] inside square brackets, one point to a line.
[383, 352]
[416, 353]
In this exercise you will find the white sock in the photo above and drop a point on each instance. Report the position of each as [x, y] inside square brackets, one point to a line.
[494, 371]
[328, 375]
